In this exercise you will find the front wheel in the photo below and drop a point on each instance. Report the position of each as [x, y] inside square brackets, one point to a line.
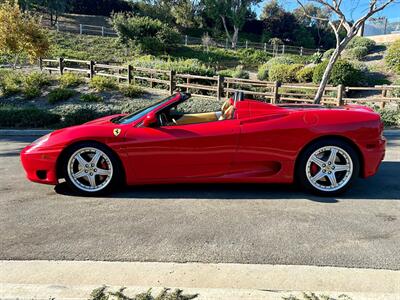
[328, 167]
[90, 169]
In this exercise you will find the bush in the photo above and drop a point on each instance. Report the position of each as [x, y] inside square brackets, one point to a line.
[284, 73]
[60, 94]
[10, 82]
[32, 84]
[393, 57]
[91, 98]
[305, 74]
[147, 33]
[253, 57]
[396, 92]
[390, 117]
[359, 41]
[27, 117]
[343, 73]
[358, 52]
[83, 115]
[263, 72]
[131, 90]
[101, 83]
[328, 53]
[70, 80]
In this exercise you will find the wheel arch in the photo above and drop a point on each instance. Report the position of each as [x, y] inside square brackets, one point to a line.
[337, 137]
[61, 158]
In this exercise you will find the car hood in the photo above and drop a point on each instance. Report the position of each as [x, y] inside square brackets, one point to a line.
[103, 120]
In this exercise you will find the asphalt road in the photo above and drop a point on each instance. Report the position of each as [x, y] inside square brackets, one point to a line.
[271, 224]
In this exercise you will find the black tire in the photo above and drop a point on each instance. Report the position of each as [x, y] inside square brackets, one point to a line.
[115, 178]
[318, 188]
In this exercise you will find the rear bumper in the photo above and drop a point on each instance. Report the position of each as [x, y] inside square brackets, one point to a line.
[373, 153]
[40, 166]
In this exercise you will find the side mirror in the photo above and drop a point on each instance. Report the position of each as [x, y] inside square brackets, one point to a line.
[150, 119]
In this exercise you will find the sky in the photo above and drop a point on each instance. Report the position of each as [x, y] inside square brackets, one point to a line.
[353, 8]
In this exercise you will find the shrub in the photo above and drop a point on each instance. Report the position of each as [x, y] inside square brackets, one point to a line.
[305, 74]
[328, 53]
[91, 98]
[284, 73]
[32, 84]
[396, 92]
[390, 116]
[393, 57]
[263, 72]
[343, 73]
[147, 33]
[83, 115]
[70, 80]
[60, 94]
[10, 82]
[253, 57]
[359, 41]
[27, 117]
[358, 52]
[131, 90]
[226, 72]
[101, 83]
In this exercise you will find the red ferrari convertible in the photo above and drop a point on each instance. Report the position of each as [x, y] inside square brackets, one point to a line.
[324, 149]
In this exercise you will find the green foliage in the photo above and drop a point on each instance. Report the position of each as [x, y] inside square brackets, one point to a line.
[83, 115]
[393, 57]
[305, 74]
[359, 41]
[149, 34]
[284, 73]
[183, 66]
[252, 56]
[91, 98]
[238, 72]
[390, 116]
[70, 80]
[263, 72]
[396, 91]
[131, 90]
[343, 73]
[327, 54]
[32, 84]
[10, 82]
[27, 117]
[60, 94]
[358, 52]
[101, 83]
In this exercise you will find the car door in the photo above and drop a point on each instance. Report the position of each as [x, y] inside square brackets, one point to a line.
[182, 151]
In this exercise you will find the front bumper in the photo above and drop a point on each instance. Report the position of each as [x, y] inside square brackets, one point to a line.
[40, 165]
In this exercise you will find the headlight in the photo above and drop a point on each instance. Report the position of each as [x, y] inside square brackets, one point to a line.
[41, 140]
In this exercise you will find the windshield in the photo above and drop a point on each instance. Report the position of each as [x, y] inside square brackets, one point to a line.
[142, 112]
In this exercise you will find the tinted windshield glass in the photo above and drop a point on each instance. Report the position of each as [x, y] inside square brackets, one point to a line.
[142, 112]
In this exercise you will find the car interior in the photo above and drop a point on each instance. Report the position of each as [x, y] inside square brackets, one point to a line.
[172, 116]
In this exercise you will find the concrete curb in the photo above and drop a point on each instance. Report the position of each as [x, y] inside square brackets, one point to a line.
[45, 292]
[201, 276]
[41, 132]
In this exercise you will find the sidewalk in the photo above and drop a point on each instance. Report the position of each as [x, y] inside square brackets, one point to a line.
[74, 279]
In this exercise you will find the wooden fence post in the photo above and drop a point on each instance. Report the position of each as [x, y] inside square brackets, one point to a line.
[265, 47]
[275, 98]
[186, 40]
[247, 44]
[340, 92]
[61, 65]
[171, 81]
[301, 51]
[91, 69]
[283, 49]
[384, 94]
[80, 28]
[226, 43]
[41, 64]
[130, 69]
[57, 27]
[102, 30]
[220, 86]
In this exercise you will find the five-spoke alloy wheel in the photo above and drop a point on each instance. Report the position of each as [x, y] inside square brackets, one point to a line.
[328, 167]
[90, 168]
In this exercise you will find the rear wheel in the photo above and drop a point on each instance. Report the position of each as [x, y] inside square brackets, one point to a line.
[91, 169]
[328, 167]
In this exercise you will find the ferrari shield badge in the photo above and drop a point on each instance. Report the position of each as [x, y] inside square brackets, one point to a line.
[117, 131]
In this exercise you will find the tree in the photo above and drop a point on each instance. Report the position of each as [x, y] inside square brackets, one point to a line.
[186, 13]
[232, 12]
[21, 33]
[337, 21]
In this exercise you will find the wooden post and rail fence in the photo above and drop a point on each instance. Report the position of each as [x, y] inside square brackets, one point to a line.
[218, 87]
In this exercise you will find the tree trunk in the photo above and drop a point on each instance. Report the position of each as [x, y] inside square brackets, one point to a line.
[226, 28]
[235, 37]
[16, 61]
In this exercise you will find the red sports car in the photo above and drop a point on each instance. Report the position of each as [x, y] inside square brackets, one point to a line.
[324, 149]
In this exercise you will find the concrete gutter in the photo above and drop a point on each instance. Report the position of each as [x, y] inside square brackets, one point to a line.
[41, 132]
[75, 279]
